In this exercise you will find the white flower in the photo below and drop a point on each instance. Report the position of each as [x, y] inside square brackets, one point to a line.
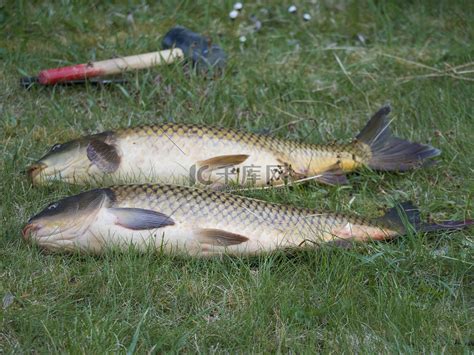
[238, 6]
[233, 14]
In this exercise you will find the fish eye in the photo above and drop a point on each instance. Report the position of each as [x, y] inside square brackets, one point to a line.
[55, 147]
[53, 206]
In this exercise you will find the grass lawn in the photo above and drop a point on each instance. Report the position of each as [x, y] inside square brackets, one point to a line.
[312, 81]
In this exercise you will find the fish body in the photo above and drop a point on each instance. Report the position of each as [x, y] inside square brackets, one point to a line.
[196, 154]
[201, 222]
[181, 152]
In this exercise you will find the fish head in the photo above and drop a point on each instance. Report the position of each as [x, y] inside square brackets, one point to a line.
[62, 162]
[61, 223]
[72, 161]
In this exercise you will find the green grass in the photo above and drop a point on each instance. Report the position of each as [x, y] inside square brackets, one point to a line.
[411, 295]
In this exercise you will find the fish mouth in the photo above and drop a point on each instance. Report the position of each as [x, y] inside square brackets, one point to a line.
[34, 170]
[29, 229]
[49, 243]
[40, 172]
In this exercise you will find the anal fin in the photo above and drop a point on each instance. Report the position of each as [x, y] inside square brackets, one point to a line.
[333, 176]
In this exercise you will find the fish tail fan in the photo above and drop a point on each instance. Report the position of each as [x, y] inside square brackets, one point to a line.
[398, 221]
[401, 217]
[445, 225]
[390, 153]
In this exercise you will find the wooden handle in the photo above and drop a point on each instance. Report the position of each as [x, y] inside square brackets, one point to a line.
[109, 67]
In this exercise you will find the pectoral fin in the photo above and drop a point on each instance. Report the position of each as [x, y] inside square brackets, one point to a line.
[139, 219]
[103, 155]
[219, 237]
[223, 160]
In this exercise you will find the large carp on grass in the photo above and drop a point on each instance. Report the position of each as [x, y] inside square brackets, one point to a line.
[204, 222]
[188, 153]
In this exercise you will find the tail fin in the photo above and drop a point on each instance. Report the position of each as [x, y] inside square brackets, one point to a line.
[406, 213]
[391, 153]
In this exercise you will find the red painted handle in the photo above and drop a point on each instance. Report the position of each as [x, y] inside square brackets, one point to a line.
[74, 72]
[109, 67]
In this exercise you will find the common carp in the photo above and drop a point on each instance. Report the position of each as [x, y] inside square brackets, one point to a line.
[188, 154]
[203, 222]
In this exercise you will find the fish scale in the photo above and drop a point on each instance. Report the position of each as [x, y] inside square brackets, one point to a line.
[225, 136]
[227, 209]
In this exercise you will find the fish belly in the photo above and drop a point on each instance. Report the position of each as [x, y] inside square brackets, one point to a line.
[180, 162]
[148, 160]
[184, 237]
[105, 233]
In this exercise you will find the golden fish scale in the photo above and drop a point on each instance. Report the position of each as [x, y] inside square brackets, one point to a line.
[207, 136]
[191, 204]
